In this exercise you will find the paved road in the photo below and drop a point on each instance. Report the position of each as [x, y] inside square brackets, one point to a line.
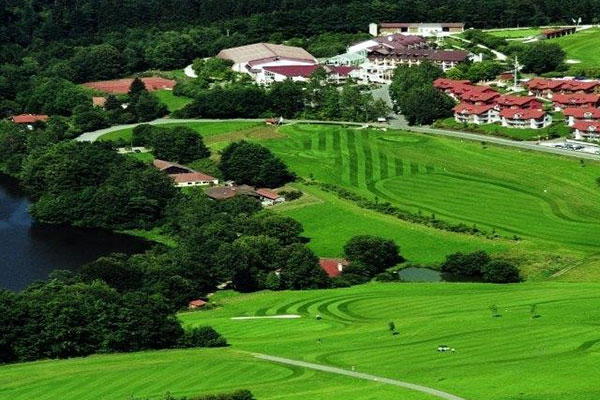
[360, 375]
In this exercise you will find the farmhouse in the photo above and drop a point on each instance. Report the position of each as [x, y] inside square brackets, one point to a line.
[29, 119]
[268, 197]
[121, 86]
[333, 267]
[253, 58]
[523, 102]
[574, 114]
[184, 176]
[586, 130]
[475, 114]
[562, 101]
[525, 118]
[421, 29]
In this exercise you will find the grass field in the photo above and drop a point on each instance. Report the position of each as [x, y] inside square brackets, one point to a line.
[514, 356]
[558, 127]
[172, 102]
[582, 46]
[515, 33]
[204, 128]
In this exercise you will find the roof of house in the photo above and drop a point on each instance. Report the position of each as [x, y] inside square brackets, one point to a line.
[29, 118]
[98, 101]
[544, 84]
[471, 109]
[292, 70]
[510, 101]
[192, 177]
[269, 194]
[221, 193]
[576, 98]
[342, 70]
[476, 95]
[588, 126]
[575, 85]
[331, 266]
[582, 112]
[197, 303]
[522, 113]
[399, 41]
[449, 55]
[427, 24]
[162, 165]
[445, 83]
[257, 51]
[121, 86]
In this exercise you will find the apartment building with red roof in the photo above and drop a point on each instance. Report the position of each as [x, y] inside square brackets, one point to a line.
[475, 114]
[510, 101]
[586, 130]
[575, 100]
[525, 118]
[575, 114]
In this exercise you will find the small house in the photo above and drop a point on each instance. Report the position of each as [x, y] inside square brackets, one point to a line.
[268, 197]
[184, 176]
[195, 304]
[29, 119]
[333, 267]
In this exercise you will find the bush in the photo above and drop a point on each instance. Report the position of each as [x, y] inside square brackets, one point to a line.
[500, 271]
[375, 253]
[292, 195]
[202, 336]
[465, 264]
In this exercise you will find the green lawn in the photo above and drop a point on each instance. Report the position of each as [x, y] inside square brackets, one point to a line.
[515, 33]
[515, 356]
[552, 202]
[558, 127]
[582, 46]
[172, 102]
[204, 128]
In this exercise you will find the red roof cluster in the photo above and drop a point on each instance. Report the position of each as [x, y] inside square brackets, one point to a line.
[121, 86]
[576, 99]
[588, 126]
[582, 112]
[29, 118]
[562, 85]
[522, 113]
[333, 266]
[478, 96]
[472, 109]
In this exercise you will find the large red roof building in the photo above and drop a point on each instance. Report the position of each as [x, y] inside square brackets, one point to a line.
[121, 86]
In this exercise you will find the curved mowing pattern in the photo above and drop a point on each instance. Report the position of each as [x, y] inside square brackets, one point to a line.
[528, 194]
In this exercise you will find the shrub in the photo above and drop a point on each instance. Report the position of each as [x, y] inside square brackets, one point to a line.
[500, 271]
[465, 264]
[375, 253]
[202, 336]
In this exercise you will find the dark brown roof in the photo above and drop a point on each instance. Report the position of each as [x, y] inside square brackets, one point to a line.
[220, 193]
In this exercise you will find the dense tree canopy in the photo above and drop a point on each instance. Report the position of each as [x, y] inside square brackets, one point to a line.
[178, 144]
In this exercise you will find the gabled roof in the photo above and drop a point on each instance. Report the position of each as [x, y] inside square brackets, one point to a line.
[588, 126]
[576, 98]
[399, 41]
[29, 118]
[293, 70]
[445, 83]
[582, 112]
[511, 101]
[221, 193]
[192, 177]
[257, 51]
[331, 266]
[574, 85]
[522, 113]
[471, 109]
[342, 70]
[162, 165]
[475, 96]
[544, 84]
[269, 194]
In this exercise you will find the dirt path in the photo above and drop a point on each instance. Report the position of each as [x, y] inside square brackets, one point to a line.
[360, 375]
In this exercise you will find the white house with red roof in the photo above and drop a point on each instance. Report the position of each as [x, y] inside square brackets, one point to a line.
[269, 197]
[575, 100]
[524, 102]
[475, 114]
[29, 119]
[525, 118]
[549, 87]
[586, 130]
[575, 114]
[333, 267]
[183, 176]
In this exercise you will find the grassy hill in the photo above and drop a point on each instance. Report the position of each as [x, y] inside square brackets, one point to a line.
[582, 46]
[513, 356]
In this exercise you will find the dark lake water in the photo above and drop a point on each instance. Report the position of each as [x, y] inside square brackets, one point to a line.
[30, 251]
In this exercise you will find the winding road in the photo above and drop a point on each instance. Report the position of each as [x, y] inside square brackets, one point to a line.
[397, 123]
[360, 375]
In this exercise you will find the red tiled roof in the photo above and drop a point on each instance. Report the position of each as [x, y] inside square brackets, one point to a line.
[98, 101]
[445, 83]
[269, 194]
[192, 177]
[476, 95]
[522, 113]
[196, 303]
[331, 266]
[544, 84]
[576, 98]
[582, 112]
[341, 70]
[587, 126]
[510, 101]
[29, 118]
[574, 85]
[121, 86]
[292, 70]
[471, 109]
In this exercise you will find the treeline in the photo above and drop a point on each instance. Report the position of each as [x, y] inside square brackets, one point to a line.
[313, 100]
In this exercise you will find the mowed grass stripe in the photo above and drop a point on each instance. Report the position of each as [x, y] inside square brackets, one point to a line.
[352, 158]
